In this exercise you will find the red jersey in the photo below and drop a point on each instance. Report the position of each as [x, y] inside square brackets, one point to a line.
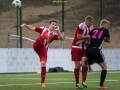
[47, 33]
[83, 30]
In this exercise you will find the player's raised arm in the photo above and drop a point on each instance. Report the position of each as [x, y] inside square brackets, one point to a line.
[30, 27]
[60, 36]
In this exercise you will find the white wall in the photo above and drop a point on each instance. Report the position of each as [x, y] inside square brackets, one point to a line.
[15, 60]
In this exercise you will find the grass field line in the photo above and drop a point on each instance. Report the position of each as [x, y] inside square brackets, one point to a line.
[51, 79]
[48, 83]
[53, 73]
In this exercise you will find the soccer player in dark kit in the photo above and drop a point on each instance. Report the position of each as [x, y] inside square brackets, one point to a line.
[94, 53]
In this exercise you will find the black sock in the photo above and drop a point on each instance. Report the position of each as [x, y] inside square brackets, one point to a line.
[102, 77]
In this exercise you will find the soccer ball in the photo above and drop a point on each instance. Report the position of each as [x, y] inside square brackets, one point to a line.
[16, 3]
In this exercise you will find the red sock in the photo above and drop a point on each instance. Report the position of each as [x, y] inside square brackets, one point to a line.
[43, 74]
[89, 67]
[84, 74]
[76, 74]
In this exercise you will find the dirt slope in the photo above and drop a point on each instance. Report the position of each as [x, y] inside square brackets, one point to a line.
[75, 12]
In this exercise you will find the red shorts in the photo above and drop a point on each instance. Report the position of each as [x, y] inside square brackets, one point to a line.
[40, 50]
[77, 54]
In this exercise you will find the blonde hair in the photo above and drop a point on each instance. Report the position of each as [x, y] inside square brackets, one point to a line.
[103, 22]
[89, 18]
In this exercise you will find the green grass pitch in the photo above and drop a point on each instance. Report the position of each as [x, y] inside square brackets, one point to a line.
[56, 81]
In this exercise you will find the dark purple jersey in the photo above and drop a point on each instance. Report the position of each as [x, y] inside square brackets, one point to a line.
[97, 36]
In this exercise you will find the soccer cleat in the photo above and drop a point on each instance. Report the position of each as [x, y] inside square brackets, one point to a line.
[78, 86]
[84, 85]
[102, 87]
[49, 40]
[42, 85]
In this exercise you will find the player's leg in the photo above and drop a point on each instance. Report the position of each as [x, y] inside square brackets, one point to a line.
[84, 68]
[103, 75]
[89, 68]
[80, 66]
[76, 74]
[90, 57]
[100, 59]
[84, 71]
[76, 71]
[76, 58]
[43, 73]
[42, 53]
[43, 60]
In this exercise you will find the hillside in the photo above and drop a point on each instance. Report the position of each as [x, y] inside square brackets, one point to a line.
[39, 12]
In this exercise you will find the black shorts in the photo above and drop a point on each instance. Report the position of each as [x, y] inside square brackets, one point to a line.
[95, 55]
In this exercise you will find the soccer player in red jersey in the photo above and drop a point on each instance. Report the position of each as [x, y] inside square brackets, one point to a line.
[78, 51]
[46, 36]
[94, 52]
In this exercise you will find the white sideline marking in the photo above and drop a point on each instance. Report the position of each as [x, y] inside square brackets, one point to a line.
[51, 79]
[48, 83]
[55, 73]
